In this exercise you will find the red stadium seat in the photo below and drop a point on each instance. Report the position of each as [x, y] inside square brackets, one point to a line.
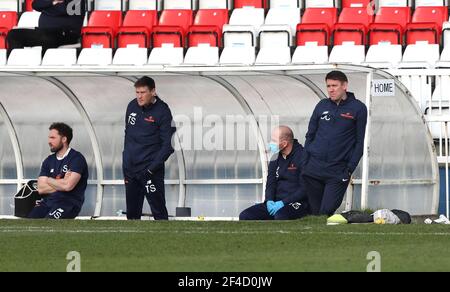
[385, 32]
[310, 32]
[182, 18]
[398, 15]
[8, 20]
[136, 28]
[172, 28]
[167, 34]
[355, 15]
[28, 5]
[254, 3]
[426, 24]
[422, 32]
[3, 34]
[199, 34]
[102, 29]
[349, 32]
[215, 17]
[435, 14]
[326, 16]
[208, 26]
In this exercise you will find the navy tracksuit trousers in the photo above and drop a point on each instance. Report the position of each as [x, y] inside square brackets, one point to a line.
[288, 212]
[325, 185]
[54, 210]
[153, 190]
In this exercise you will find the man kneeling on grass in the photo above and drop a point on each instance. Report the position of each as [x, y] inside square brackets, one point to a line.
[63, 178]
[285, 195]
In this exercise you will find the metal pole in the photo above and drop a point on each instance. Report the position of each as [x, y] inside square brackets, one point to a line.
[365, 162]
[15, 144]
[446, 168]
[92, 135]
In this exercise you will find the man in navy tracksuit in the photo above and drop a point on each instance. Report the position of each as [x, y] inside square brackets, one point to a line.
[285, 195]
[63, 178]
[334, 144]
[148, 144]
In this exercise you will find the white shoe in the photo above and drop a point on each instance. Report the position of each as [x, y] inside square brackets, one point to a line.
[442, 220]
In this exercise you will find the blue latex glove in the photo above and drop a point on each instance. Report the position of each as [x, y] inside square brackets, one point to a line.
[270, 206]
[276, 207]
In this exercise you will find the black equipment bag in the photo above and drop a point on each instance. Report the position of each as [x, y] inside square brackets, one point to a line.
[25, 199]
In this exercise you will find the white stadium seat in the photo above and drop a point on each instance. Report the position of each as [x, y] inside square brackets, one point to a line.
[95, 57]
[178, 4]
[319, 3]
[213, 4]
[242, 56]
[130, 56]
[239, 36]
[2, 57]
[142, 5]
[393, 3]
[108, 5]
[166, 55]
[286, 4]
[29, 19]
[239, 45]
[274, 45]
[384, 55]
[419, 3]
[25, 57]
[60, 57]
[420, 55]
[203, 54]
[347, 53]
[9, 5]
[446, 34]
[444, 60]
[274, 56]
[248, 16]
[287, 16]
[310, 53]
[275, 36]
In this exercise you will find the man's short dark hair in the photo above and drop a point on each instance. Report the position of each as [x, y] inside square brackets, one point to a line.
[145, 81]
[64, 130]
[336, 75]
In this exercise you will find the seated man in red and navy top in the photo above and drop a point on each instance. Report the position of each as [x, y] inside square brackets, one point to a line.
[285, 194]
[63, 178]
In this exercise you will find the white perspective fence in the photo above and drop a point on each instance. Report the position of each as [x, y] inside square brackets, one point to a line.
[431, 90]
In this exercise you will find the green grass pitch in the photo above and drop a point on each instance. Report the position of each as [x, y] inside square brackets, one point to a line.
[302, 245]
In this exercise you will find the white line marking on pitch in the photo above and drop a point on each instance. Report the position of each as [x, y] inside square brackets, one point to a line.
[44, 229]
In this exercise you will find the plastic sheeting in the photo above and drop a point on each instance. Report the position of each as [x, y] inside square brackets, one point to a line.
[220, 170]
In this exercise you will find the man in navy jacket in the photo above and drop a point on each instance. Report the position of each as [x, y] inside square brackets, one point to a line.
[148, 144]
[334, 145]
[285, 195]
[59, 24]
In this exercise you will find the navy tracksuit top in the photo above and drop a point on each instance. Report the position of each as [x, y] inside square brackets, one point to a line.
[148, 137]
[336, 132]
[284, 180]
[57, 16]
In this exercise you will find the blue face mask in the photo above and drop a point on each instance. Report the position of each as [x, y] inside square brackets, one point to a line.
[274, 148]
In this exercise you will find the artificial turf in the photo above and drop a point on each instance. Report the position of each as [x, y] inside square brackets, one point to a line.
[302, 245]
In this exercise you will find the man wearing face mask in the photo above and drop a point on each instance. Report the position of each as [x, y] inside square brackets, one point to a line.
[285, 195]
